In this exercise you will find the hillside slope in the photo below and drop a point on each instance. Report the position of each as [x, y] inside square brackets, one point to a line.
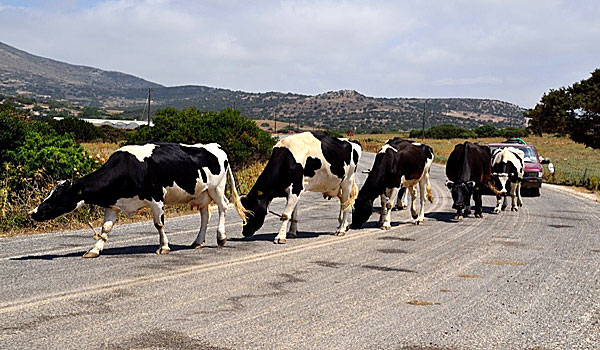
[24, 74]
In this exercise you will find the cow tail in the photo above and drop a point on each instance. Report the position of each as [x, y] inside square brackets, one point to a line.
[236, 197]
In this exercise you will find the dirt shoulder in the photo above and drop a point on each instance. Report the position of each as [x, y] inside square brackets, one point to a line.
[576, 191]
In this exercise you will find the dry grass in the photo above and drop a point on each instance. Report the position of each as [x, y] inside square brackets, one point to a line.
[574, 163]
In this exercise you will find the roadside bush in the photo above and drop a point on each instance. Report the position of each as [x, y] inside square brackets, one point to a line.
[239, 136]
[33, 157]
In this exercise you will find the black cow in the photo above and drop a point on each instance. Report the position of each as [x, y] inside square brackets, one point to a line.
[304, 162]
[150, 175]
[399, 164]
[468, 170]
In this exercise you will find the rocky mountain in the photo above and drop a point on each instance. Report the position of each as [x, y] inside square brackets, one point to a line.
[37, 77]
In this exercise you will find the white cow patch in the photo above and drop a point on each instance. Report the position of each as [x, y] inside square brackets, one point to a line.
[141, 152]
[386, 147]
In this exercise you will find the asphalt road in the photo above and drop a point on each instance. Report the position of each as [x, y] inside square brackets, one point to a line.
[526, 280]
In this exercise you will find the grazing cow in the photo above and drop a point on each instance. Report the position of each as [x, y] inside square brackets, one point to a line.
[468, 170]
[399, 164]
[149, 175]
[304, 162]
[507, 174]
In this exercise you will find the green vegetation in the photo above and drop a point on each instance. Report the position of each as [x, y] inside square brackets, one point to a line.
[32, 157]
[240, 137]
[79, 128]
[573, 111]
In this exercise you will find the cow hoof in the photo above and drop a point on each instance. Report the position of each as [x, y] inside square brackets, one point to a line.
[478, 215]
[221, 242]
[503, 207]
[196, 245]
[340, 233]
[414, 216]
[90, 254]
[457, 217]
[291, 235]
[514, 209]
[279, 241]
[162, 251]
[418, 222]
[496, 210]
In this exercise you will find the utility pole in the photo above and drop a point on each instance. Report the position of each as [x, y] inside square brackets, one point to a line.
[423, 129]
[149, 105]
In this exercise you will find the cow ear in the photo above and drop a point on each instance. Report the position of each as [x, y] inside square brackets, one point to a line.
[471, 184]
[449, 184]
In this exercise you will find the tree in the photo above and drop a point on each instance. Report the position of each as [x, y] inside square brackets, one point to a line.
[573, 111]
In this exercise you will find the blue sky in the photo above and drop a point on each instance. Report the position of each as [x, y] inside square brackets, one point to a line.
[501, 49]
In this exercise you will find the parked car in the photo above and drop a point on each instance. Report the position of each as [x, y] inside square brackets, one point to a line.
[532, 178]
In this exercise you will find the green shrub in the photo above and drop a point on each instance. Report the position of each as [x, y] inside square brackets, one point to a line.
[239, 136]
[487, 131]
[444, 131]
[81, 130]
[514, 132]
[33, 157]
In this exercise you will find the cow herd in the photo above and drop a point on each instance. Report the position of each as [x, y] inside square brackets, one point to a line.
[159, 173]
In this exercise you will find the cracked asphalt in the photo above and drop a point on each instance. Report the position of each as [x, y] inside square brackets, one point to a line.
[518, 280]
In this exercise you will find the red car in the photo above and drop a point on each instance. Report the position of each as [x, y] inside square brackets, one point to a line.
[532, 179]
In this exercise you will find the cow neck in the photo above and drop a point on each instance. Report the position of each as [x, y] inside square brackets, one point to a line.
[375, 183]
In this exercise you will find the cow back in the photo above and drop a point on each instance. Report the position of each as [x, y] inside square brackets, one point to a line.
[469, 162]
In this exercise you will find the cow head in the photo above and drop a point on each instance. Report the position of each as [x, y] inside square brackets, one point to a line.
[461, 193]
[363, 208]
[501, 183]
[63, 199]
[257, 205]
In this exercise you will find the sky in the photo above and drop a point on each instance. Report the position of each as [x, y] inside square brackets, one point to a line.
[510, 50]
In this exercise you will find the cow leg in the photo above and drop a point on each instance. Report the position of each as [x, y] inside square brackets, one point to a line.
[382, 213]
[515, 195]
[393, 198]
[413, 202]
[478, 204]
[294, 224]
[110, 217]
[467, 210]
[158, 214]
[504, 203]
[422, 188]
[292, 201]
[402, 203]
[499, 200]
[221, 202]
[204, 217]
[518, 190]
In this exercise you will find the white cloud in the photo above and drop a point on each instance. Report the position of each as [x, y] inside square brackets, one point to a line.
[509, 50]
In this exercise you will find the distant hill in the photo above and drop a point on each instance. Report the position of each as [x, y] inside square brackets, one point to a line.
[37, 77]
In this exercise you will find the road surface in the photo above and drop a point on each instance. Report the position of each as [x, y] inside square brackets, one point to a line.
[526, 280]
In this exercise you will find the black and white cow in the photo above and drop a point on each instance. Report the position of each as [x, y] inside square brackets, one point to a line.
[150, 175]
[468, 170]
[507, 175]
[304, 162]
[399, 164]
